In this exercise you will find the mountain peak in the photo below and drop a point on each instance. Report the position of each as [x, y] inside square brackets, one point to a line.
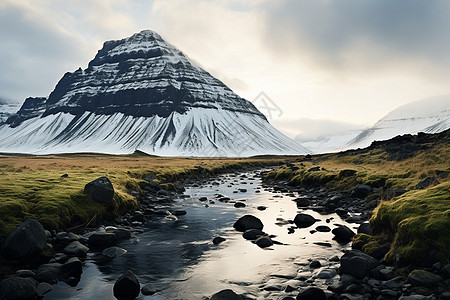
[141, 93]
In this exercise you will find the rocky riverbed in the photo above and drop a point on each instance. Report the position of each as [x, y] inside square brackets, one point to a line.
[230, 237]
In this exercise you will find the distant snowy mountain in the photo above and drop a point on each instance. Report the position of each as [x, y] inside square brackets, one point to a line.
[140, 93]
[7, 109]
[429, 116]
[334, 142]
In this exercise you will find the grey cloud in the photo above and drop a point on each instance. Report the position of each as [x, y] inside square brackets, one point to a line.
[33, 53]
[385, 30]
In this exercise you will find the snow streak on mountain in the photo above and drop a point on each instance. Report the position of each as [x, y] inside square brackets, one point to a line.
[429, 116]
[140, 93]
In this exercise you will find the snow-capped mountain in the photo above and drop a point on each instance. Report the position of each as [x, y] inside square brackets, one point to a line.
[7, 109]
[140, 93]
[333, 142]
[429, 116]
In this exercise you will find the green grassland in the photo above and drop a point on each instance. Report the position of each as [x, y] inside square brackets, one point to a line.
[412, 224]
[32, 186]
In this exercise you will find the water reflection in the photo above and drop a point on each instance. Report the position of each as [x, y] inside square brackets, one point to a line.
[179, 259]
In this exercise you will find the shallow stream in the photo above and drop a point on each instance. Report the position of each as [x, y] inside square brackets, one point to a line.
[178, 258]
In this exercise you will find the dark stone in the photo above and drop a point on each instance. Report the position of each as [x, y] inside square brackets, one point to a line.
[100, 190]
[226, 295]
[343, 233]
[264, 242]
[315, 264]
[314, 169]
[102, 239]
[323, 228]
[43, 288]
[312, 293]
[365, 228]
[261, 207]
[304, 220]
[148, 290]
[178, 212]
[76, 249]
[391, 193]
[361, 191]
[138, 216]
[18, 288]
[357, 264]
[239, 204]
[302, 202]
[72, 268]
[64, 175]
[218, 239]
[253, 234]
[127, 287]
[113, 252]
[424, 278]
[202, 199]
[426, 182]
[25, 273]
[121, 233]
[26, 241]
[248, 222]
[49, 273]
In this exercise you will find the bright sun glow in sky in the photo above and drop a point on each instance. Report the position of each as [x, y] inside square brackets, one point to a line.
[342, 63]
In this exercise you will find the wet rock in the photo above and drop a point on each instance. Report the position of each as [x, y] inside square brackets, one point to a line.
[113, 252]
[239, 204]
[304, 220]
[253, 234]
[218, 239]
[248, 222]
[178, 212]
[138, 216]
[315, 264]
[43, 288]
[422, 277]
[127, 287]
[226, 295]
[25, 273]
[26, 241]
[72, 268]
[323, 244]
[49, 273]
[261, 207]
[312, 293]
[100, 190]
[18, 288]
[100, 239]
[264, 242]
[365, 228]
[202, 199]
[337, 287]
[343, 233]
[357, 264]
[148, 290]
[302, 202]
[323, 228]
[76, 249]
[121, 233]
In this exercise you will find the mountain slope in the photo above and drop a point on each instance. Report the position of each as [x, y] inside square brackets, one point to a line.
[7, 109]
[140, 93]
[429, 116]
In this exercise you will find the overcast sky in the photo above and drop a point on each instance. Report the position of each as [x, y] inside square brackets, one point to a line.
[343, 63]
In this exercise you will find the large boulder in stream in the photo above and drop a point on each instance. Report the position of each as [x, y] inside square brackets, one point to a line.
[304, 220]
[226, 295]
[18, 288]
[25, 241]
[343, 233]
[248, 222]
[100, 190]
[127, 287]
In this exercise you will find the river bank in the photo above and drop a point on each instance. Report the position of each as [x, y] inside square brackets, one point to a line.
[174, 252]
